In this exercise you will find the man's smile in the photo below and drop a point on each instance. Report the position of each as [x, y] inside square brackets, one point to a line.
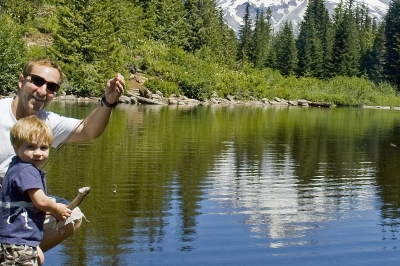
[38, 99]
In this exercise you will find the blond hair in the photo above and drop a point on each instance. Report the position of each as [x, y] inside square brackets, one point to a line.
[30, 129]
[43, 61]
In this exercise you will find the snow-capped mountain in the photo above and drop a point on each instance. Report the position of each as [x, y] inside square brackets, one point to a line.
[290, 10]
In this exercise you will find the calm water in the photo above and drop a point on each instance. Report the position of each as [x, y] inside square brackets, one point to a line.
[233, 186]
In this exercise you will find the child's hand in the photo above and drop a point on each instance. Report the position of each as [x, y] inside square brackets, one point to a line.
[62, 212]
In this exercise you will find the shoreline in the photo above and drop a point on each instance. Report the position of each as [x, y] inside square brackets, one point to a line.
[157, 99]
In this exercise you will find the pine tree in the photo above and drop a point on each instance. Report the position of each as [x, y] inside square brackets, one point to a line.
[324, 31]
[245, 34]
[345, 50]
[271, 53]
[260, 40]
[126, 20]
[227, 50]
[202, 24]
[392, 35]
[85, 44]
[310, 54]
[165, 21]
[271, 60]
[286, 52]
[12, 52]
[149, 17]
[375, 62]
[367, 35]
[314, 43]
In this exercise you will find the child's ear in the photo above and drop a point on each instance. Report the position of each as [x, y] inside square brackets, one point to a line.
[15, 150]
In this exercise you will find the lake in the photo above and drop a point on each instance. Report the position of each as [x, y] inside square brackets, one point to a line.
[233, 185]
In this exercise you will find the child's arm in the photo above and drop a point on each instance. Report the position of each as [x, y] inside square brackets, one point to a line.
[44, 203]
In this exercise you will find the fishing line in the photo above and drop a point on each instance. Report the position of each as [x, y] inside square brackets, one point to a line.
[69, 136]
[173, 26]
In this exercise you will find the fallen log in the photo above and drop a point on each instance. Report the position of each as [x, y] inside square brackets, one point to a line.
[320, 104]
[148, 101]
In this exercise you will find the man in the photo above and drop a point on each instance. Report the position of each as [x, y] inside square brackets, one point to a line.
[37, 87]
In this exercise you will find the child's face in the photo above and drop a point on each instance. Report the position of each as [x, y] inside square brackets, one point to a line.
[34, 153]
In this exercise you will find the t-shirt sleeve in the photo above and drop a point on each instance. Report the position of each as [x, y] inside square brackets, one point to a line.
[61, 126]
[29, 178]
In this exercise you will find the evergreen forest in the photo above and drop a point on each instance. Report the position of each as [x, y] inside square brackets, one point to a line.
[185, 47]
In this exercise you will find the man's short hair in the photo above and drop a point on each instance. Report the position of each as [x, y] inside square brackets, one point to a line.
[43, 61]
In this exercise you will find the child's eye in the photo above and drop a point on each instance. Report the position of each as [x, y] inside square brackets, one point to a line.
[44, 147]
[30, 146]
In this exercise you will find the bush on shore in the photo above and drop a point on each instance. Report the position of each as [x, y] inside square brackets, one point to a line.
[171, 70]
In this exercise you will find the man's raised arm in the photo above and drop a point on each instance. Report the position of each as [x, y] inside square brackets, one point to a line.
[94, 125]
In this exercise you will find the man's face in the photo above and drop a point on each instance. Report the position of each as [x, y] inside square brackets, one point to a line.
[36, 90]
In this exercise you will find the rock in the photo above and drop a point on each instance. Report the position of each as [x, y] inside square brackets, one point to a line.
[148, 101]
[132, 69]
[172, 101]
[230, 98]
[133, 100]
[302, 103]
[144, 92]
[132, 92]
[159, 93]
[156, 97]
[139, 79]
[124, 99]
[70, 97]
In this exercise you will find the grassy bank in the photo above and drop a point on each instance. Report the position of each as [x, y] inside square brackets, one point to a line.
[171, 70]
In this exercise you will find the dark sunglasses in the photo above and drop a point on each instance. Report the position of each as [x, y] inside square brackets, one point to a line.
[38, 81]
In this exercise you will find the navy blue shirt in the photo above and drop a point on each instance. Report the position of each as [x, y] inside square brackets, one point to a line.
[21, 222]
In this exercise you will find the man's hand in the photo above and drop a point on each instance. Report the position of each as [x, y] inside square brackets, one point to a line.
[114, 88]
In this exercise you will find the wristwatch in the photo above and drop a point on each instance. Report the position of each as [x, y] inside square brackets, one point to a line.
[104, 101]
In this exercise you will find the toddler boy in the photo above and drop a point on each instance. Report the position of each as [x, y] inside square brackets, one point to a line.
[24, 202]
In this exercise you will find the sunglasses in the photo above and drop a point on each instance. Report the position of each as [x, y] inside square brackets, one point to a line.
[38, 81]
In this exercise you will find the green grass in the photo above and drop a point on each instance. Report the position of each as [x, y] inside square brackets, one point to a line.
[171, 70]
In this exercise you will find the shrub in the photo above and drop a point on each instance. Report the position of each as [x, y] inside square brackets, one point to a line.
[12, 52]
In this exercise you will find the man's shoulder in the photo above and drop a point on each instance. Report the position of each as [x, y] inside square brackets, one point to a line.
[5, 105]
[5, 100]
[54, 119]
[7, 119]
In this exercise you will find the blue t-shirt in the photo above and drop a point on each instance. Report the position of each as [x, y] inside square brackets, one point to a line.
[21, 223]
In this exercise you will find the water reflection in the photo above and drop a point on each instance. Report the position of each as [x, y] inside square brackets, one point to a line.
[277, 204]
[279, 177]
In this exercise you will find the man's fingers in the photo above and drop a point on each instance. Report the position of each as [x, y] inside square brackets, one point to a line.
[120, 83]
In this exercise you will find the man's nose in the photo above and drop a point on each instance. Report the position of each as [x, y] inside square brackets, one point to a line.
[42, 90]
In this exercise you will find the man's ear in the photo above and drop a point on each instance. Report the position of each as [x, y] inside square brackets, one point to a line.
[21, 80]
